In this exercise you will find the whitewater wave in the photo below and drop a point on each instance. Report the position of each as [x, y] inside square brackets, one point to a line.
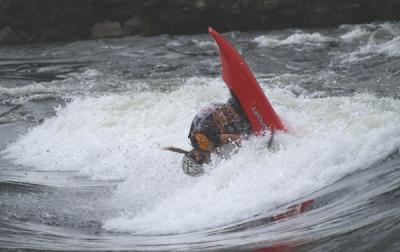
[390, 48]
[375, 40]
[366, 41]
[120, 137]
[328, 146]
[355, 33]
[298, 38]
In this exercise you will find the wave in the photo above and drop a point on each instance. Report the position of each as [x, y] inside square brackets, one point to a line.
[375, 40]
[120, 136]
[361, 42]
[298, 38]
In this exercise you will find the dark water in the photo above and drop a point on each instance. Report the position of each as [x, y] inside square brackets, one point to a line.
[76, 175]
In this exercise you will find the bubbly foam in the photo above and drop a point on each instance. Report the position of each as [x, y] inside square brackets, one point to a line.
[298, 38]
[335, 136]
[121, 136]
[371, 40]
[204, 44]
[356, 33]
[74, 84]
[382, 39]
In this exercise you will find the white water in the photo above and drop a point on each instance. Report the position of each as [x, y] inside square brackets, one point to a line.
[372, 39]
[381, 39]
[121, 136]
[298, 38]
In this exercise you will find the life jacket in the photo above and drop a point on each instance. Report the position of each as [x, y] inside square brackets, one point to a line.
[217, 119]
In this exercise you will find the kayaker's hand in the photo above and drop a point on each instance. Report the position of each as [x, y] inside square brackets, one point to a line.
[201, 157]
[230, 138]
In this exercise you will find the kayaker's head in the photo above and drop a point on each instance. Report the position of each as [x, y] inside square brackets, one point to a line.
[193, 162]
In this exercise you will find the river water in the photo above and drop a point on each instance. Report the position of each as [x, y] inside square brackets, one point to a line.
[83, 125]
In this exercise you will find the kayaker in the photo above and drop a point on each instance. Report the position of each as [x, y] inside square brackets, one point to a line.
[213, 128]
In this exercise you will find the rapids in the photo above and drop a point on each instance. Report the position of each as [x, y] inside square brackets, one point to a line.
[83, 125]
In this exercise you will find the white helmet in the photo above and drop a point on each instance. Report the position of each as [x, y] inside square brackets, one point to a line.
[191, 167]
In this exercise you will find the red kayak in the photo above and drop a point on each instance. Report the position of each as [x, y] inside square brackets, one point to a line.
[241, 81]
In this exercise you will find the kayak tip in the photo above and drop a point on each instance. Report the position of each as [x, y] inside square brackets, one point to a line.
[211, 30]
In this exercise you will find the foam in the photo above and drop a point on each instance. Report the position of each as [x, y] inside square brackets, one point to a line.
[372, 40]
[356, 33]
[335, 136]
[121, 136]
[73, 84]
[298, 38]
[204, 44]
[382, 39]
[391, 48]
[103, 135]
[27, 90]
